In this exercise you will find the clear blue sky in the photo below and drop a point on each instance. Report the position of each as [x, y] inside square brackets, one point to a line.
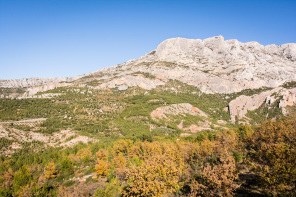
[54, 38]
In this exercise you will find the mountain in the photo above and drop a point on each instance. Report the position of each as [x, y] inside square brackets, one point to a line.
[186, 115]
[213, 65]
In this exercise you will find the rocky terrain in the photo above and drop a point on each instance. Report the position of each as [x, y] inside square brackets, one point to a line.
[213, 66]
[177, 109]
[64, 138]
[242, 104]
[187, 102]
[30, 82]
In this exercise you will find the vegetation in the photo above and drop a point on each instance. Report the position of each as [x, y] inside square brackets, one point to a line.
[272, 151]
[265, 112]
[136, 155]
[291, 84]
[211, 164]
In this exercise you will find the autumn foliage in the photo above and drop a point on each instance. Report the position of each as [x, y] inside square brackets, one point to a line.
[214, 163]
[50, 171]
[272, 151]
[161, 168]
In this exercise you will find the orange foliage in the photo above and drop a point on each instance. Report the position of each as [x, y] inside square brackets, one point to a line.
[121, 146]
[102, 154]
[8, 178]
[217, 179]
[157, 176]
[102, 168]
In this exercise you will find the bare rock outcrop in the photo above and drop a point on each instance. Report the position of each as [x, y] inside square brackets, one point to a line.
[201, 126]
[64, 138]
[230, 66]
[241, 105]
[34, 90]
[214, 65]
[46, 95]
[288, 99]
[122, 83]
[30, 82]
[176, 109]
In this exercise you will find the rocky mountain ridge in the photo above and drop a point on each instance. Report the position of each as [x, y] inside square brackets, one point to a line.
[213, 65]
[35, 81]
[217, 66]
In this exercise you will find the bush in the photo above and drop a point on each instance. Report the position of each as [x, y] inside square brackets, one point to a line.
[21, 178]
[272, 150]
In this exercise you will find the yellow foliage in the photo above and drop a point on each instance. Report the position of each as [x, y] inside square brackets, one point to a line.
[206, 148]
[120, 170]
[102, 168]
[157, 176]
[119, 161]
[134, 151]
[121, 146]
[84, 153]
[102, 154]
[50, 171]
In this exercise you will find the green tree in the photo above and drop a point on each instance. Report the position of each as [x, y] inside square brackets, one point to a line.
[21, 178]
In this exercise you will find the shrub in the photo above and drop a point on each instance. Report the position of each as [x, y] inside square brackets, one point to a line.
[272, 150]
[50, 171]
[157, 176]
[21, 178]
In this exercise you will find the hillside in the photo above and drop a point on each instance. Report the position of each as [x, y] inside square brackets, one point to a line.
[102, 127]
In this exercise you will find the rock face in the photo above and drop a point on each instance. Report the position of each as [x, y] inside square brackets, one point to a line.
[241, 105]
[122, 83]
[34, 90]
[30, 82]
[288, 99]
[213, 65]
[176, 109]
[57, 139]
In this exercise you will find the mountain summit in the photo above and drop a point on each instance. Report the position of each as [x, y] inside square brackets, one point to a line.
[185, 103]
[213, 65]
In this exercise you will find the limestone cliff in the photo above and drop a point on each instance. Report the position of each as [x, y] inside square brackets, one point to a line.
[213, 65]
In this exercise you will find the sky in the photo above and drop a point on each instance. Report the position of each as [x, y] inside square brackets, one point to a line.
[64, 38]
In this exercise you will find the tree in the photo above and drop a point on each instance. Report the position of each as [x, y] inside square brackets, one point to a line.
[272, 150]
[216, 180]
[50, 171]
[102, 154]
[159, 175]
[21, 178]
[102, 168]
[8, 178]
